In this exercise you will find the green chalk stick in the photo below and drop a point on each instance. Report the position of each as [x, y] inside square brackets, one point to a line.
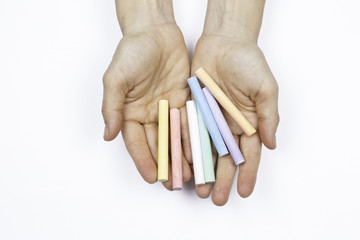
[206, 152]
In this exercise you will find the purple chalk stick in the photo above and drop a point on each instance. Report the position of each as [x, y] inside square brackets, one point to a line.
[224, 128]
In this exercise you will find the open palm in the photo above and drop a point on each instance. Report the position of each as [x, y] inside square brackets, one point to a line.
[241, 71]
[147, 66]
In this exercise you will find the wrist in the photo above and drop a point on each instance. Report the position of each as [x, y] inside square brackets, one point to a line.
[234, 18]
[138, 15]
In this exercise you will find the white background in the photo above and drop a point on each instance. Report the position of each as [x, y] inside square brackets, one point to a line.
[60, 180]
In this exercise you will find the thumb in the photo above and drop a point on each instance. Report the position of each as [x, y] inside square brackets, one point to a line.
[267, 111]
[115, 90]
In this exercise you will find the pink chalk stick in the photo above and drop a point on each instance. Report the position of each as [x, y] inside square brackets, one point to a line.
[176, 150]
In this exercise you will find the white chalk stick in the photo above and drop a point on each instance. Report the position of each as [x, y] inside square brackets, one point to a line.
[195, 142]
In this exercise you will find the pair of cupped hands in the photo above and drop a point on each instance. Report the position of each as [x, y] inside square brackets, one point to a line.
[153, 64]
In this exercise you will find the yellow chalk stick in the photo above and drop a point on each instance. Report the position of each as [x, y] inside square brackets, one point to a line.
[225, 101]
[163, 141]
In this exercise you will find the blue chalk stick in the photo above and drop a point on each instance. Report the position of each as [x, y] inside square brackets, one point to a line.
[207, 116]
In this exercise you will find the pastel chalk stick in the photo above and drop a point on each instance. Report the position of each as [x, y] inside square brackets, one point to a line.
[206, 152]
[225, 101]
[195, 142]
[207, 115]
[163, 141]
[224, 128]
[176, 150]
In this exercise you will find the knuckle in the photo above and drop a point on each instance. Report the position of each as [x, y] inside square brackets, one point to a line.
[115, 82]
[104, 110]
[108, 78]
[273, 88]
[253, 156]
[277, 119]
[112, 78]
[133, 146]
[276, 86]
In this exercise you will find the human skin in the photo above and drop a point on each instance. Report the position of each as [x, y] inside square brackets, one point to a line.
[150, 63]
[228, 51]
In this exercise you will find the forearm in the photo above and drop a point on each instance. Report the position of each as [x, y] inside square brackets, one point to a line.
[239, 18]
[136, 15]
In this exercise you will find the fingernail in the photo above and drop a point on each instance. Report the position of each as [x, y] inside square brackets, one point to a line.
[275, 142]
[106, 133]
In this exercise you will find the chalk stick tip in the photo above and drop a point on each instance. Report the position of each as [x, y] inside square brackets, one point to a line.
[240, 162]
[200, 69]
[163, 102]
[210, 181]
[191, 80]
[162, 179]
[250, 132]
[174, 110]
[223, 153]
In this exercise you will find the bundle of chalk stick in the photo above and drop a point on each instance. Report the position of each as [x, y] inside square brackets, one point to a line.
[204, 118]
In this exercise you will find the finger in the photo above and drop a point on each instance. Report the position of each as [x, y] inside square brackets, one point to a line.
[135, 141]
[267, 110]
[203, 191]
[115, 90]
[251, 150]
[168, 184]
[225, 173]
[151, 132]
[185, 135]
[186, 169]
